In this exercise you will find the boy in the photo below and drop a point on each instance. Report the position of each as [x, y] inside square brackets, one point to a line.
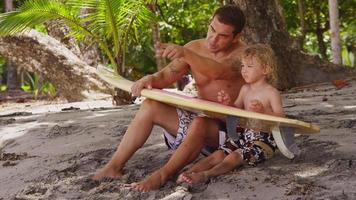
[257, 95]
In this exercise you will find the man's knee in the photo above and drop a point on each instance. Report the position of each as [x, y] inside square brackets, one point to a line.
[149, 104]
[160, 114]
[205, 127]
[198, 125]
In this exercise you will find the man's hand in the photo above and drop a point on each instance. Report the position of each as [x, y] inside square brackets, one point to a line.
[145, 82]
[224, 97]
[170, 51]
[256, 106]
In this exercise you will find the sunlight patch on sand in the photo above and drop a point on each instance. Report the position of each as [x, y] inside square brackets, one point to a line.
[328, 105]
[311, 172]
[349, 107]
[15, 131]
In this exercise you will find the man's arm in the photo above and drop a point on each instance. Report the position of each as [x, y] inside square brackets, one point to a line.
[163, 78]
[211, 68]
[201, 64]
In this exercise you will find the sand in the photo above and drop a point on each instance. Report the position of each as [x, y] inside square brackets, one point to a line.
[51, 151]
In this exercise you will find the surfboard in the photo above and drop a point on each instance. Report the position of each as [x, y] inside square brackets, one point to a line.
[283, 129]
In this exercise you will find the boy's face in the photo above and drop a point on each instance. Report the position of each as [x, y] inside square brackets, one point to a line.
[252, 70]
[220, 36]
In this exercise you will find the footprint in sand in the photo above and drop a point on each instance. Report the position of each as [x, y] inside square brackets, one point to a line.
[58, 130]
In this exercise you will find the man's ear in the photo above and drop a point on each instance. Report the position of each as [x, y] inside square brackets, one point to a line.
[236, 38]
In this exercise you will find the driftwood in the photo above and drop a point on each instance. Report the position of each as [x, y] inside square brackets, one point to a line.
[37, 52]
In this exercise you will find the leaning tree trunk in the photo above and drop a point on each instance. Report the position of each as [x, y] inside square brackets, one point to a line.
[86, 50]
[59, 31]
[265, 24]
[36, 52]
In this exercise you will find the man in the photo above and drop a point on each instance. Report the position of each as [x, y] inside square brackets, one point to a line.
[215, 65]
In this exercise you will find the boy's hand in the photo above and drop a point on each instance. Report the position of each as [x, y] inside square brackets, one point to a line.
[224, 97]
[170, 51]
[144, 82]
[256, 106]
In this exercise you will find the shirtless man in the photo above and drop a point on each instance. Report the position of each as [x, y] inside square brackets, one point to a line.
[215, 65]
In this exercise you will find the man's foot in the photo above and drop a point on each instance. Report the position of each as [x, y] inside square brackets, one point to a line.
[155, 181]
[106, 172]
[194, 178]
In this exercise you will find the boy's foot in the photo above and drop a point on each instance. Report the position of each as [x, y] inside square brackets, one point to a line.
[195, 178]
[106, 172]
[183, 178]
[155, 181]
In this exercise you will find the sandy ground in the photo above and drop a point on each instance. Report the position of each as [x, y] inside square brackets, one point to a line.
[51, 151]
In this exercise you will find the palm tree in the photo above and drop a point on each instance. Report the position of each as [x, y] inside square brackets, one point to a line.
[109, 23]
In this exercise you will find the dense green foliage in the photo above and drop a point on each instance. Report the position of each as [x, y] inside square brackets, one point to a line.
[123, 28]
[179, 21]
[316, 16]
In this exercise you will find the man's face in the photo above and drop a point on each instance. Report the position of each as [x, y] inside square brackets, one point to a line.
[220, 36]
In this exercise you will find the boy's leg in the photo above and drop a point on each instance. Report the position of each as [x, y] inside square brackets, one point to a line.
[200, 132]
[230, 162]
[203, 165]
[208, 162]
[150, 113]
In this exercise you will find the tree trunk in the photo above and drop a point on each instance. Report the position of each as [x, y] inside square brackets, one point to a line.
[12, 80]
[156, 37]
[161, 62]
[335, 31]
[9, 5]
[319, 32]
[36, 52]
[265, 24]
[303, 28]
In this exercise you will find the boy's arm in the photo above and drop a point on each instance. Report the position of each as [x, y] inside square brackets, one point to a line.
[239, 102]
[163, 78]
[276, 104]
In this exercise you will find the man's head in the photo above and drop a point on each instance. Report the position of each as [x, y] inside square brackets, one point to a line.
[225, 28]
[231, 15]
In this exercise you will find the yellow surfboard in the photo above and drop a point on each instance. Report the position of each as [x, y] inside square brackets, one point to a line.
[283, 129]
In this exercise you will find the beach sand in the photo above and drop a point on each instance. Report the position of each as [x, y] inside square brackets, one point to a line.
[51, 151]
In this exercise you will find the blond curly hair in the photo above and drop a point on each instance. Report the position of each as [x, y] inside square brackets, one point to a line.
[265, 55]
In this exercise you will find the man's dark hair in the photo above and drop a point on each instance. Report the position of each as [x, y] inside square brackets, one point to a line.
[231, 15]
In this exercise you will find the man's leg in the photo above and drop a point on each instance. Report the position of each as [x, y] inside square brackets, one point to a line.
[200, 132]
[150, 113]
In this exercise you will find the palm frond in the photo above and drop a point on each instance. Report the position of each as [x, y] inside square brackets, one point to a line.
[32, 13]
[108, 22]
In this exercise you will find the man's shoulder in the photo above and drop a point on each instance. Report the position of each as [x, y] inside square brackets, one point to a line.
[195, 44]
[239, 49]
